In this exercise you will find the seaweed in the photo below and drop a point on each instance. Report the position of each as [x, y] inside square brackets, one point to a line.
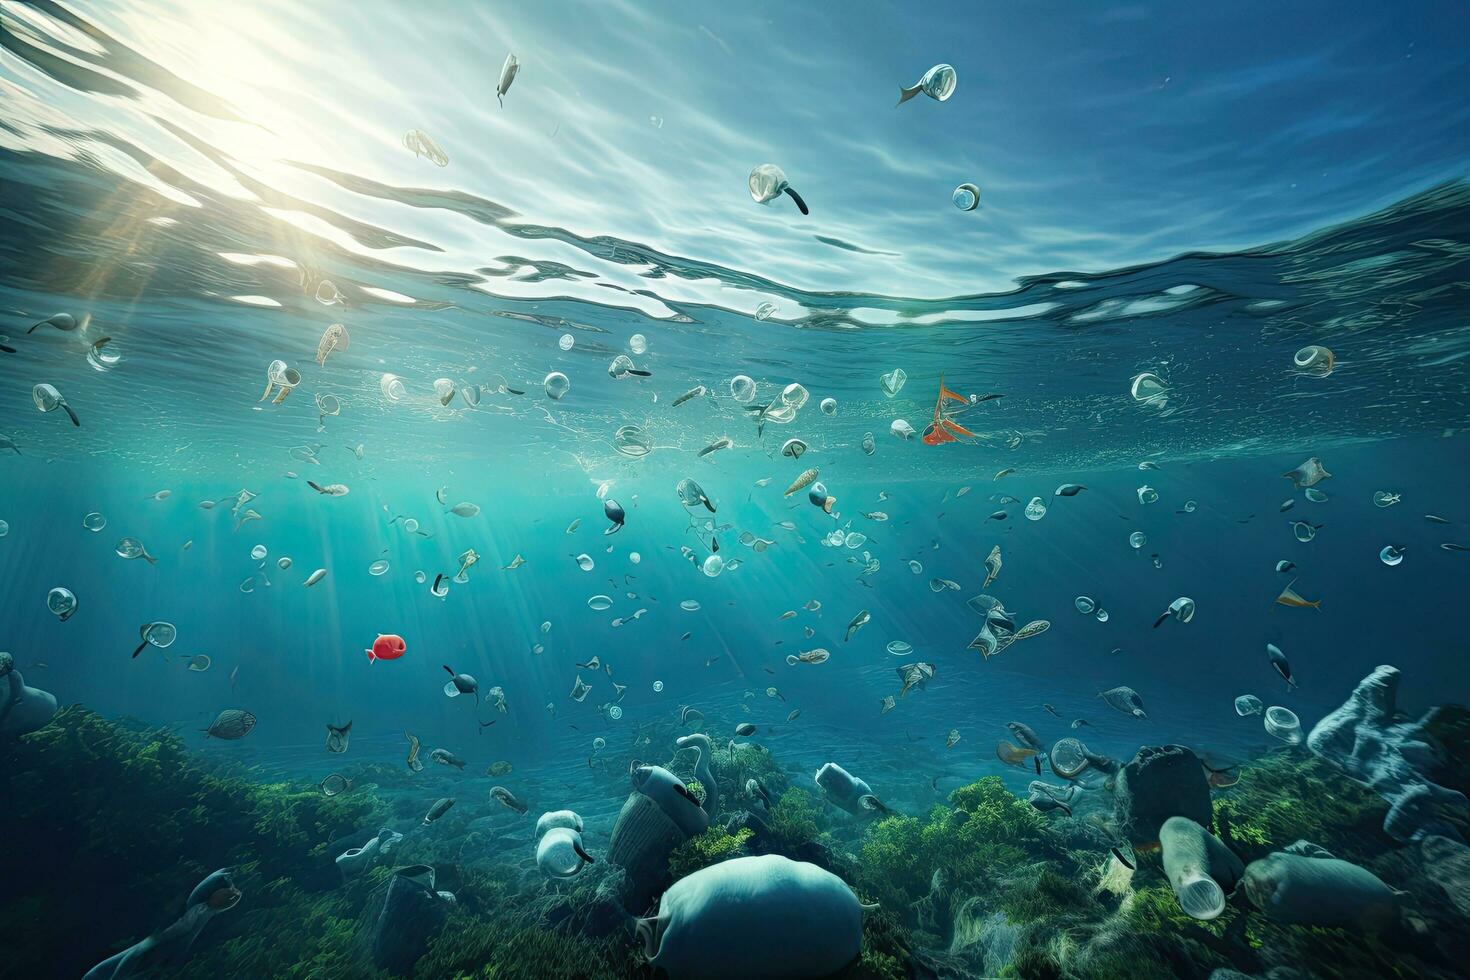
[985, 834]
[97, 802]
[711, 847]
[1290, 796]
[793, 818]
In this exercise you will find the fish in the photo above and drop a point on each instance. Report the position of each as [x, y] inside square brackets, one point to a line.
[1005, 472]
[1051, 711]
[886, 704]
[1287, 505]
[331, 489]
[440, 807]
[1289, 597]
[231, 724]
[388, 646]
[314, 578]
[804, 480]
[499, 768]
[1124, 699]
[721, 443]
[858, 622]
[875, 515]
[1279, 661]
[999, 515]
[337, 737]
[788, 614]
[795, 713]
[817, 656]
[992, 566]
[1068, 490]
[464, 509]
[1026, 736]
[692, 393]
[745, 729]
[1014, 755]
[508, 798]
[413, 756]
[447, 758]
[952, 739]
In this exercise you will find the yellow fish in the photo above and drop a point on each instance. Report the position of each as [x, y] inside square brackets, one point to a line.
[1289, 597]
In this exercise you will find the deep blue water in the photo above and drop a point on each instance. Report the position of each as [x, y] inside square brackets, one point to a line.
[1198, 193]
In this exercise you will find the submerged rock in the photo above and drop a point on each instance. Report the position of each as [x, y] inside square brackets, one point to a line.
[1161, 781]
[1398, 758]
[412, 913]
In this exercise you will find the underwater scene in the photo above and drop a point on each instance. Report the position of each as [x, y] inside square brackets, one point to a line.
[640, 489]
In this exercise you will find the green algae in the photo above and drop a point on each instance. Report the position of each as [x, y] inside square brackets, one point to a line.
[983, 885]
[984, 835]
[711, 847]
[1289, 796]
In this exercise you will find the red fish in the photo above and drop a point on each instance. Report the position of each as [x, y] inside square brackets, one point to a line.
[388, 646]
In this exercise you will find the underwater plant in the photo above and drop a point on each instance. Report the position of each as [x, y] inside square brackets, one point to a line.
[711, 847]
[1290, 795]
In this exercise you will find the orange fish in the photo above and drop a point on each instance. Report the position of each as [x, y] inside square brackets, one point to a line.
[1012, 755]
[1289, 597]
[943, 428]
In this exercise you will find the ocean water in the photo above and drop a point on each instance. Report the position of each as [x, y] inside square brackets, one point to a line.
[1194, 194]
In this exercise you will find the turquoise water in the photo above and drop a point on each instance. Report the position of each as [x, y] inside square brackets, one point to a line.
[1154, 198]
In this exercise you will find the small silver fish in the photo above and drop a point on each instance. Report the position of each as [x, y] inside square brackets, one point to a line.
[331, 489]
[721, 443]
